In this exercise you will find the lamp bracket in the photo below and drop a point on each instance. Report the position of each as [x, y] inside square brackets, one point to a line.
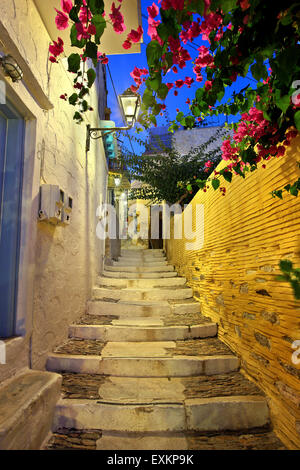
[99, 132]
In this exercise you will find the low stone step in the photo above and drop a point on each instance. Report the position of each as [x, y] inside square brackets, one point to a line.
[140, 263]
[27, 402]
[142, 294]
[180, 366]
[139, 269]
[135, 275]
[142, 253]
[141, 283]
[64, 439]
[201, 415]
[128, 309]
[138, 331]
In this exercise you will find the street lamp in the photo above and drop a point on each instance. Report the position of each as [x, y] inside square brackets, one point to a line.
[130, 104]
[11, 68]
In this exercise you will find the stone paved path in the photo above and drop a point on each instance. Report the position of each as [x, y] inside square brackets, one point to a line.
[143, 369]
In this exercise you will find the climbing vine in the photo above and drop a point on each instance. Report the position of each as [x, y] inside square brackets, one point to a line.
[87, 22]
[240, 38]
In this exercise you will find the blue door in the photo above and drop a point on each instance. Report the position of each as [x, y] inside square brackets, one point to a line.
[11, 171]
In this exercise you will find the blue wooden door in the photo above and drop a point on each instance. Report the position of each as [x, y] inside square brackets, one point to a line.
[11, 171]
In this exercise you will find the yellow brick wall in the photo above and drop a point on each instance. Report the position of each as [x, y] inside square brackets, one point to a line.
[246, 234]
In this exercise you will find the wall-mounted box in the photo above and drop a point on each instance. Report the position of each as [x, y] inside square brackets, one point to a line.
[51, 203]
[67, 210]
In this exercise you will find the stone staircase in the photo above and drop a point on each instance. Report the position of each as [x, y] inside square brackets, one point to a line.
[143, 369]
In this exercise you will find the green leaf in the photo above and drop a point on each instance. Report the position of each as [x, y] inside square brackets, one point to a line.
[96, 6]
[180, 116]
[286, 265]
[78, 117]
[215, 183]
[297, 120]
[148, 98]
[153, 52]
[259, 70]
[296, 287]
[163, 91]
[74, 40]
[91, 50]
[74, 62]
[91, 74]
[73, 99]
[74, 15]
[154, 83]
[100, 24]
[227, 175]
[283, 103]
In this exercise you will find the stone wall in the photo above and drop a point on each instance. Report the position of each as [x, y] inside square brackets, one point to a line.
[246, 234]
[58, 264]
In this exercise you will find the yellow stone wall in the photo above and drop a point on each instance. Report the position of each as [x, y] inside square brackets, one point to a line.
[246, 234]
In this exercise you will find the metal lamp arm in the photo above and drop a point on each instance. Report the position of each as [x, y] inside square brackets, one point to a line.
[92, 132]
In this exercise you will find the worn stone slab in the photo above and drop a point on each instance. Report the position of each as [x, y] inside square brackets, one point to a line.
[128, 309]
[139, 275]
[140, 263]
[141, 330]
[180, 366]
[141, 390]
[83, 414]
[27, 402]
[138, 349]
[141, 269]
[142, 441]
[141, 283]
[222, 413]
[156, 389]
[234, 441]
[142, 294]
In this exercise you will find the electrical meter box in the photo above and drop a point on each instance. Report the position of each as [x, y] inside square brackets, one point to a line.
[51, 203]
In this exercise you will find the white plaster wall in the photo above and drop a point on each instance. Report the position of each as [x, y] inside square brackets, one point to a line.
[59, 262]
[188, 139]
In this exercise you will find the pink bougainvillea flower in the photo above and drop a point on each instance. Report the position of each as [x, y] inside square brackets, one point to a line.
[134, 88]
[170, 85]
[153, 10]
[92, 29]
[83, 15]
[66, 5]
[135, 35]
[189, 81]
[244, 4]
[82, 32]
[57, 47]
[53, 59]
[179, 83]
[208, 85]
[126, 44]
[188, 101]
[61, 20]
[117, 19]
[175, 70]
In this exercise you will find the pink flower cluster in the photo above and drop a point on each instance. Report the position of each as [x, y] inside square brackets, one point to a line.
[117, 19]
[137, 74]
[56, 49]
[133, 36]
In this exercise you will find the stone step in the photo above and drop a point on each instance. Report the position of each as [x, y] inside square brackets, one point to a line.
[128, 309]
[153, 390]
[27, 402]
[201, 415]
[179, 366]
[140, 283]
[142, 308]
[138, 331]
[135, 275]
[64, 439]
[142, 294]
[142, 253]
[139, 269]
[140, 263]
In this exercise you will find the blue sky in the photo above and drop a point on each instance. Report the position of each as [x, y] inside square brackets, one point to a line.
[121, 65]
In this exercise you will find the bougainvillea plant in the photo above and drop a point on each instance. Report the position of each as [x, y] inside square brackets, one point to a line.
[238, 38]
[87, 21]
